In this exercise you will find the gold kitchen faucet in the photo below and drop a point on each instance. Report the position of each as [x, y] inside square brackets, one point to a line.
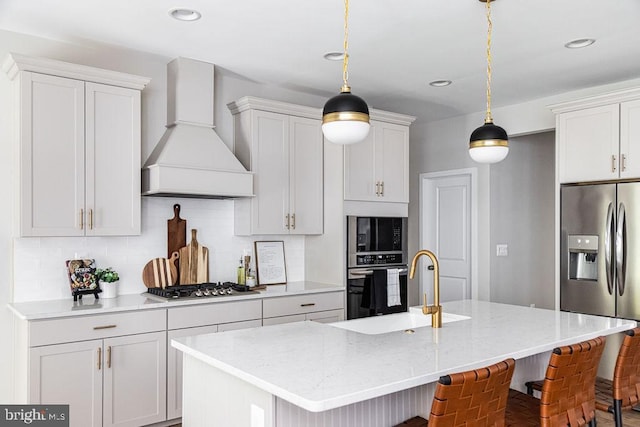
[434, 310]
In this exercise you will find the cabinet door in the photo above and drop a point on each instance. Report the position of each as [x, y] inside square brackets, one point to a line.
[52, 155]
[112, 160]
[135, 385]
[174, 368]
[270, 164]
[588, 142]
[392, 162]
[359, 169]
[306, 176]
[630, 139]
[69, 374]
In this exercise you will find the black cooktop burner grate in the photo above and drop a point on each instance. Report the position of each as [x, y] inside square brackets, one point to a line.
[200, 290]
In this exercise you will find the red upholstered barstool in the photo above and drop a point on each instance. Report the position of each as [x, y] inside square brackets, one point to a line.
[623, 393]
[472, 398]
[568, 390]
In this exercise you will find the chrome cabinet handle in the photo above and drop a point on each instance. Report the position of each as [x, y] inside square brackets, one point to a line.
[382, 188]
[608, 253]
[623, 163]
[621, 253]
[613, 163]
[377, 188]
[81, 219]
[293, 221]
[109, 357]
[90, 219]
[99, 358]
[287, 223]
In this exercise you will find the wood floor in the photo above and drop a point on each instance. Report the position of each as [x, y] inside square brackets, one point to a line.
[629, 419]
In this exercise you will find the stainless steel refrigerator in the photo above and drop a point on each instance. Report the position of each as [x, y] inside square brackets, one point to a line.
[600, 249]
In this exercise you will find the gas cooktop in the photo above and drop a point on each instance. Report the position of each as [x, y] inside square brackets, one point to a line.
[202, 290]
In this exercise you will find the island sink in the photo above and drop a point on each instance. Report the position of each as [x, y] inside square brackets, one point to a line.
[408, 321]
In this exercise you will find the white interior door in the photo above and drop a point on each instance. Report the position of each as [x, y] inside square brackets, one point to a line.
[446, 220]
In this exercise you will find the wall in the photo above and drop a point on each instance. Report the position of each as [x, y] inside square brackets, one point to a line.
[33, 268]
[522, 216]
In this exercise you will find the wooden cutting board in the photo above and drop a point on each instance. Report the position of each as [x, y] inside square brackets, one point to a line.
[160, 272]
[176, 232]
[194, 262]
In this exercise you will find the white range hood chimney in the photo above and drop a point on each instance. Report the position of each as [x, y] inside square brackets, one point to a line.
[191, 160]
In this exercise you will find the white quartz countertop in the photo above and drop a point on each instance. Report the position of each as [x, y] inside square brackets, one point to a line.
[320, 367]
[38, 310]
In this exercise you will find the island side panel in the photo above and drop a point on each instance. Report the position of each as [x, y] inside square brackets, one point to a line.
[214, 398]
[383, 411]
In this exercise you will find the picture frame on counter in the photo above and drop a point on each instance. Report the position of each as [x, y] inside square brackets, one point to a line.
[270, 262]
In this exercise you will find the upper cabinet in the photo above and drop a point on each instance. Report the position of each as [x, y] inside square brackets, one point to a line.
[79, 130]
[599, 138]
[377, 169]
[282, 145]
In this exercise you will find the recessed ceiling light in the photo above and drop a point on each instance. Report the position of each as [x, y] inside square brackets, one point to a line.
[182, 14]
[334, 56]
[578, 43]
[440, 83]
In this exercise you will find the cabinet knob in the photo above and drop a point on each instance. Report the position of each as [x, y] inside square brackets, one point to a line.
[613, 163]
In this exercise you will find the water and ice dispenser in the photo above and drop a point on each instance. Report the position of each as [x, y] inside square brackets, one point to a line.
[583, 257]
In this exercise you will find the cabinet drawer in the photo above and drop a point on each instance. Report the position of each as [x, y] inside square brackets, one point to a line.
[81, 328]
[215, 313]
[300, 304]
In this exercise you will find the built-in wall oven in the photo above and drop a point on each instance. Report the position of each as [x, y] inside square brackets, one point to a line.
[376, 266]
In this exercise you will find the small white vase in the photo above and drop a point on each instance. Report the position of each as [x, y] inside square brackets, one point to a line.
[109, 289]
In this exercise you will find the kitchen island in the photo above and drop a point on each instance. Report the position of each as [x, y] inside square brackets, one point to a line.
[321, 375]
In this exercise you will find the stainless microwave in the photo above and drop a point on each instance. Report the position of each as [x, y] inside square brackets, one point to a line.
[375, 241]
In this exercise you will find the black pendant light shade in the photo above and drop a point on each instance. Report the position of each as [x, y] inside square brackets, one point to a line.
[345, 118]
[489, 132]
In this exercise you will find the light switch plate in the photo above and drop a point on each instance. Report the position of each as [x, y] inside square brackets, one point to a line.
[502, 250]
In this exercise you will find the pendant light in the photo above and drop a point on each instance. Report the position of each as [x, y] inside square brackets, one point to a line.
[345, 117]
[488, 143]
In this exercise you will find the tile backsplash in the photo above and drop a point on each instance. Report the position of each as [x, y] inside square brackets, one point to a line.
[39, 263]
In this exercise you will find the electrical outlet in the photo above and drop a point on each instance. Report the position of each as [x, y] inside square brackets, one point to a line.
[502, 250]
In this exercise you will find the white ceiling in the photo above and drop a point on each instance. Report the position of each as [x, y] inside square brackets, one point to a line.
[396, 47]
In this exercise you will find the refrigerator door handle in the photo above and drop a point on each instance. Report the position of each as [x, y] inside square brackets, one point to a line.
[621, 250]
[608, 253]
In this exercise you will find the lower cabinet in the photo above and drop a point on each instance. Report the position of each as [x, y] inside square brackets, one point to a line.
[114, 381]
[197, 320]
[119, 369]
[324, 308]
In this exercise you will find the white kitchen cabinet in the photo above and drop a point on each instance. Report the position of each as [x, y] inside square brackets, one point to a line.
[282, 145]
[111, 369]
[325, 308]
[69, 374]
[598, 138]
[377, 169]
[197, 320]
[80, 145]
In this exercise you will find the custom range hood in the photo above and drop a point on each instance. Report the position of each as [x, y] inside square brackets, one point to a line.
[191, 160]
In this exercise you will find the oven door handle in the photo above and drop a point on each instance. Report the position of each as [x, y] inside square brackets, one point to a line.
[370, 272]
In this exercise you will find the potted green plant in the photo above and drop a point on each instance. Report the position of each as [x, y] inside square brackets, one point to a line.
[108, 279]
